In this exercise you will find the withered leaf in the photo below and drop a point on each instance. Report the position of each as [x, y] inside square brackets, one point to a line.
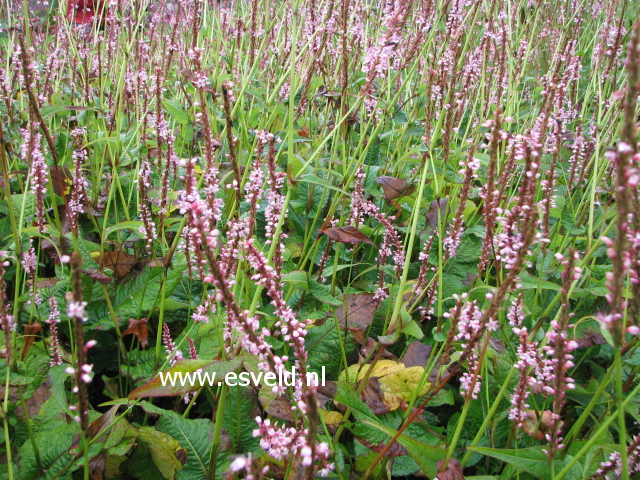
[396, 449]
[394, 187]
[453, 471]
[61, 180]
[390, 385]
[358, 309]
[347, 234]
[139, 329]
[373, 397]
[30, 332]
[98, 466]
[275, 404]
[417, 355]
[358, 334]
[538, 426]
[182, 455]
[590, 338]
[304, 132]
[97, 275]
[326, 392]
[123, 264]
[438, 205]
[369, 346]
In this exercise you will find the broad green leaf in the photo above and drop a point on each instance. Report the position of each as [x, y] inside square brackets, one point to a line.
[531, 460]
[426, 456]
[131, 224]
[528, 281]
[193, 435]
[298, 279]
[311, 178]
[323, 293]
[53, 446]
[176, 110]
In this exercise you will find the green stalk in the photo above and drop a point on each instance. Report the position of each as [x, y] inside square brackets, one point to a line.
[217, 431]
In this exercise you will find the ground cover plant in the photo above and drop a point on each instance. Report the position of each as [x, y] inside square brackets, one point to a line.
[431, 205]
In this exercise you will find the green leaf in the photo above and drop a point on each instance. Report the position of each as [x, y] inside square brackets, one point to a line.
[183, 381]
[426, 456]
[346, 394]
[400, 118]
[322, 293]
[311, 178]
[176, 110]
[53, 446]
[297, 279]
[193, 435]
[131, 224]
[409, 327]
[528, 281]
[531, 460]
[569, 223]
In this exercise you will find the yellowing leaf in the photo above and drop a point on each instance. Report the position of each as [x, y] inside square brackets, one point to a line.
[390, 386]
[332, 418]
[165, 451]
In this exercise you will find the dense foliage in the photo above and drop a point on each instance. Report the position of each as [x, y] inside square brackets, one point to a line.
[433, 205]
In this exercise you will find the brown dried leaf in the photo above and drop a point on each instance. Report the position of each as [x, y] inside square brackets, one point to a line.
[98, 466]
[123, 264]
[30, 332]
[97, 276]
[373, 397]
[396, 449]
[275, 404]
[304, 132]
[358, 309]
[61, 180]
[347, 234]
[417, 355]
[452, 472]
[358, 334]
[440, 205]
[139, 329]
[537, 427]
[590, 338]
[394, 187]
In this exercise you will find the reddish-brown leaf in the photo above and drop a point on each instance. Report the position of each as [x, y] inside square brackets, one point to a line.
[373, 397]
[452, 472]
[439, 205]
[417, 355]
[396, 449]
[358, 309]
[139, 329]
[30, 332]
[590, 338]
[61, 180]
[123, 264]
[304, 132]
[97, 275]
[275, 404]
[347, 234]
[394, 187]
